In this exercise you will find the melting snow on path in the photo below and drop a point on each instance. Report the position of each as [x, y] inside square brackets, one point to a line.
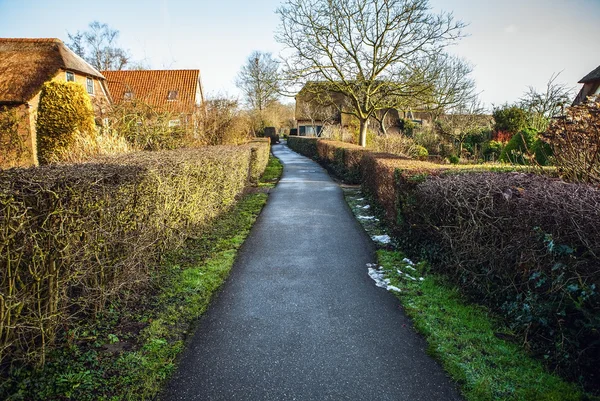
[382, 239]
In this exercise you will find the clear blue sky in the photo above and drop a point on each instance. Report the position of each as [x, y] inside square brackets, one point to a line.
[511, 43]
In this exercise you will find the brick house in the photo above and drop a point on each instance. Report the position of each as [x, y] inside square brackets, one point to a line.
[25, 65]
[178, 92]
[591, 86]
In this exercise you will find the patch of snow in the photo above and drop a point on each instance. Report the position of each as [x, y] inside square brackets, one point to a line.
[383, 239]
[360, 199]
[377, 276]
[371, 264]
[421, 279]
[368, 218]
[410, 277]
[411, 268]
[366, 206]
[408, 261]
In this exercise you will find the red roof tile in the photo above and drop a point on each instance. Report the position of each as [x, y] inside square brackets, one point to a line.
[153, 87]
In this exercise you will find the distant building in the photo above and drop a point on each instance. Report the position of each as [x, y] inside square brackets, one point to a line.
[174, 91]
[591, 86]
[25, 65]
[317, 108]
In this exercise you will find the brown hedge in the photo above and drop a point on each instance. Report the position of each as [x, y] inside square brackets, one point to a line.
[73, 237]
[526, 245]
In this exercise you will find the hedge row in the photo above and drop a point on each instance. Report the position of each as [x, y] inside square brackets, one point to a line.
[75, 237]
[525, 245]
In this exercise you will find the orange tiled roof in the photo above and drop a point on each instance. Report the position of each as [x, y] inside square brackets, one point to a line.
[153, 87]
[26, 63]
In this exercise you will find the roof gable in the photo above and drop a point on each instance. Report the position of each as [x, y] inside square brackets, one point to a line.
[591, 77]
[25, 64]
[168, 90]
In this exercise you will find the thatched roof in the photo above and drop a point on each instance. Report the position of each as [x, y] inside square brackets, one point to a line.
[166, 90]
[591, 77]
[25, 64]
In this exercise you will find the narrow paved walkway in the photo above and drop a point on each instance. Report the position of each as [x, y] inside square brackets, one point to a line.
[299, 318]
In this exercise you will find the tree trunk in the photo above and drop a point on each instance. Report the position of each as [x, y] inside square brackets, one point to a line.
[362, 138]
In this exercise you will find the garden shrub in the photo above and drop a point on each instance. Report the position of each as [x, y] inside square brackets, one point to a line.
[520, 148]
[76, 237]
[64, 113]
[575, 140]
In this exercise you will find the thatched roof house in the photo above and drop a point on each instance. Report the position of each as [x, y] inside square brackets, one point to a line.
[25, 65]
[591, 86]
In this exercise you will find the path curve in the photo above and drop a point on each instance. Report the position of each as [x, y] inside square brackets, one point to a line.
[299, 318]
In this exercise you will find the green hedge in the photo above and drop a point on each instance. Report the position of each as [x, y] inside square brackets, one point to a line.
[74, 237]
[526, 245]
[306, 146]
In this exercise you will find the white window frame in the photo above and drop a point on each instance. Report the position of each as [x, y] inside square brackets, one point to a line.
[89, 80]
[71, 74]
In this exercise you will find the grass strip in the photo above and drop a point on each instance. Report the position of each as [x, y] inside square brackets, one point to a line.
[472, 345]
[130, 353]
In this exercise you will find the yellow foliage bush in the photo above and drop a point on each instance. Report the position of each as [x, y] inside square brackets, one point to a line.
[64, 113]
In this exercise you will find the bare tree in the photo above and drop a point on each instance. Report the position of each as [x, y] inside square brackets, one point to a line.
[259, 80]
[372, 52]
[463, 121]
[542, 106]
[98, 46]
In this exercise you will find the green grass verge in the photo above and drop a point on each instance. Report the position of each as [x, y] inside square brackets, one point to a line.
[474, 347]
[131, 352]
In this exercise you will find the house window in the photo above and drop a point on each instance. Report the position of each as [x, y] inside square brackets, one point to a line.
[174, 123]
[70, 76]
[172, 95]
[128, 95]
[90, 85]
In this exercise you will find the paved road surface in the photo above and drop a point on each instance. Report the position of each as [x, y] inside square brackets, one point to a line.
[299, 318]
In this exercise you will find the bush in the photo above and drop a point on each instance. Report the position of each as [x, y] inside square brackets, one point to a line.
[493, 150]
[147, 128]
[74, 237]
[523, 244]
[575, 141]
[511, 119]
[519, 150]
[64, 113]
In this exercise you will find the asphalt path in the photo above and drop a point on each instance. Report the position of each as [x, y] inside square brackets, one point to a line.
[299, 318]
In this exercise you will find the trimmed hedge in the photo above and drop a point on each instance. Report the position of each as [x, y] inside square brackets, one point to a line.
[259, 158]
[306, 146]
[525, 245]
[75, 237]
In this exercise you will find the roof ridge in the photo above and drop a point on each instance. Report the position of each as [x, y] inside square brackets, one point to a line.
[34, 40]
